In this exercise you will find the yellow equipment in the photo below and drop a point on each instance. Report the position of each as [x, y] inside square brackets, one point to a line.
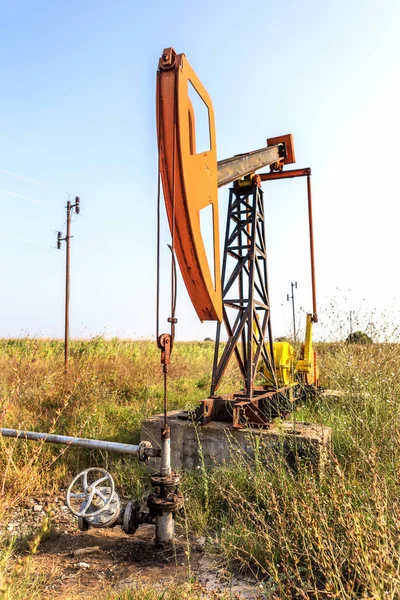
[288, 371]
[307, 366]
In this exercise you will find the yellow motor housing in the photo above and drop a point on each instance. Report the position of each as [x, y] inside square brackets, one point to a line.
[288, 372]
[284, 364]
[307, 366]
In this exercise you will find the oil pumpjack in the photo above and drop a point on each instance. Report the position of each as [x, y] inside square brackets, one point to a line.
[238, 296]
[190, 182]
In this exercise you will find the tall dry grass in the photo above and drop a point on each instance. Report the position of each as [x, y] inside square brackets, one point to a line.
[305, 536]
[302, 536]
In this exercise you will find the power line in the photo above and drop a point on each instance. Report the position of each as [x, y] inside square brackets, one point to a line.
[14, 239]
[12, 219]
[25, 178]
[35, 181]
[24, 197]
[294, 287]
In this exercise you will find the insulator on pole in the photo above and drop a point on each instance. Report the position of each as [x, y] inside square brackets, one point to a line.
[77, 205]
[59, 240]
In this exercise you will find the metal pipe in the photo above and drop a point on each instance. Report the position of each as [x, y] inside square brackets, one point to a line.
[294, 286]
[301, 173]
[73, 441]
[165, 469]
[285, 174]
[164, 528]
[310, 224]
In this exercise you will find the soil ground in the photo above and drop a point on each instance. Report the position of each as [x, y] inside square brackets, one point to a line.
[122, 561]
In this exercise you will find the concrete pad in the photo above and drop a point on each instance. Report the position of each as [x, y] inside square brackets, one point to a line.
[218, 443]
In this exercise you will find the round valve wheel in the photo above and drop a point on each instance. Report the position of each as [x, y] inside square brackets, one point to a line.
[88, 494]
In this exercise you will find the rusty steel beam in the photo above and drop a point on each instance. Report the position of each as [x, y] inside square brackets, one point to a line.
[285, 174]
[311, 233]
[288, 175]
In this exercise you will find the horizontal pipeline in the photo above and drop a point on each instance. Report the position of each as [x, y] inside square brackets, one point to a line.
[82, 442]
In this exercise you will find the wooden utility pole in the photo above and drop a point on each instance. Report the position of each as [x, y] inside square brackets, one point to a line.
[351, 321]
[70, 207]
[294, 286]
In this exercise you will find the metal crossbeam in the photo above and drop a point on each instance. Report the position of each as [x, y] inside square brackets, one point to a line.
[231, 169]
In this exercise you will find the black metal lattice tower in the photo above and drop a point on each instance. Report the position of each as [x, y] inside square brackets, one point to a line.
[246, 309]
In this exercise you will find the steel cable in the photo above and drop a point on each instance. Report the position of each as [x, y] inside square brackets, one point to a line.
[173, 279]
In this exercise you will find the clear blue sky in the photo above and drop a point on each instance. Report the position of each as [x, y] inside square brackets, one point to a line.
[77, 112]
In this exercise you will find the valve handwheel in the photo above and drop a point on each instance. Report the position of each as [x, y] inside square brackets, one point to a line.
[93, 493]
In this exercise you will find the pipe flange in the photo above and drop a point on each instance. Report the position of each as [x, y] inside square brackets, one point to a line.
[143, 446]
[129, 523]
[172, 503]
[107, 517]
[158, 480]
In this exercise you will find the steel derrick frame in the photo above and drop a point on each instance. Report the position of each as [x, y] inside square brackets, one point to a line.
[249, 332]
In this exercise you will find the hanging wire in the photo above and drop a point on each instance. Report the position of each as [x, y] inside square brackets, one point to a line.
[158, 217]
[172, 247]
[35, 181]
[12, 219]
[16, 239]
[174, 288]
[174, 293]
[172, 319]
[158, 251]
[25, 178]
[24, 197]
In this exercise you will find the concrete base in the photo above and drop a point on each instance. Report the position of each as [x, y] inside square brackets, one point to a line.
[218, 443]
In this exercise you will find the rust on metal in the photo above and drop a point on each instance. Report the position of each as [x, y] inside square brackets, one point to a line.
[189, 181]
[262, 408]
[287, 141]
[164, 344]
[285, 174]
[236, 408]
[165, 432]
[171, 502]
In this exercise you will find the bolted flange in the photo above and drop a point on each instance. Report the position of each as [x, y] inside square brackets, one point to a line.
[159, 505]
[108, 516]
[166, 481]
[133, 517]
[129, 523]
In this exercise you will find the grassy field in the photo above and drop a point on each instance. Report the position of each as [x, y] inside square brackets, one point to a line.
[300, 535]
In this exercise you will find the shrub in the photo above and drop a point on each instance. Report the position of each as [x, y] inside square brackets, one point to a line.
[358, 337]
